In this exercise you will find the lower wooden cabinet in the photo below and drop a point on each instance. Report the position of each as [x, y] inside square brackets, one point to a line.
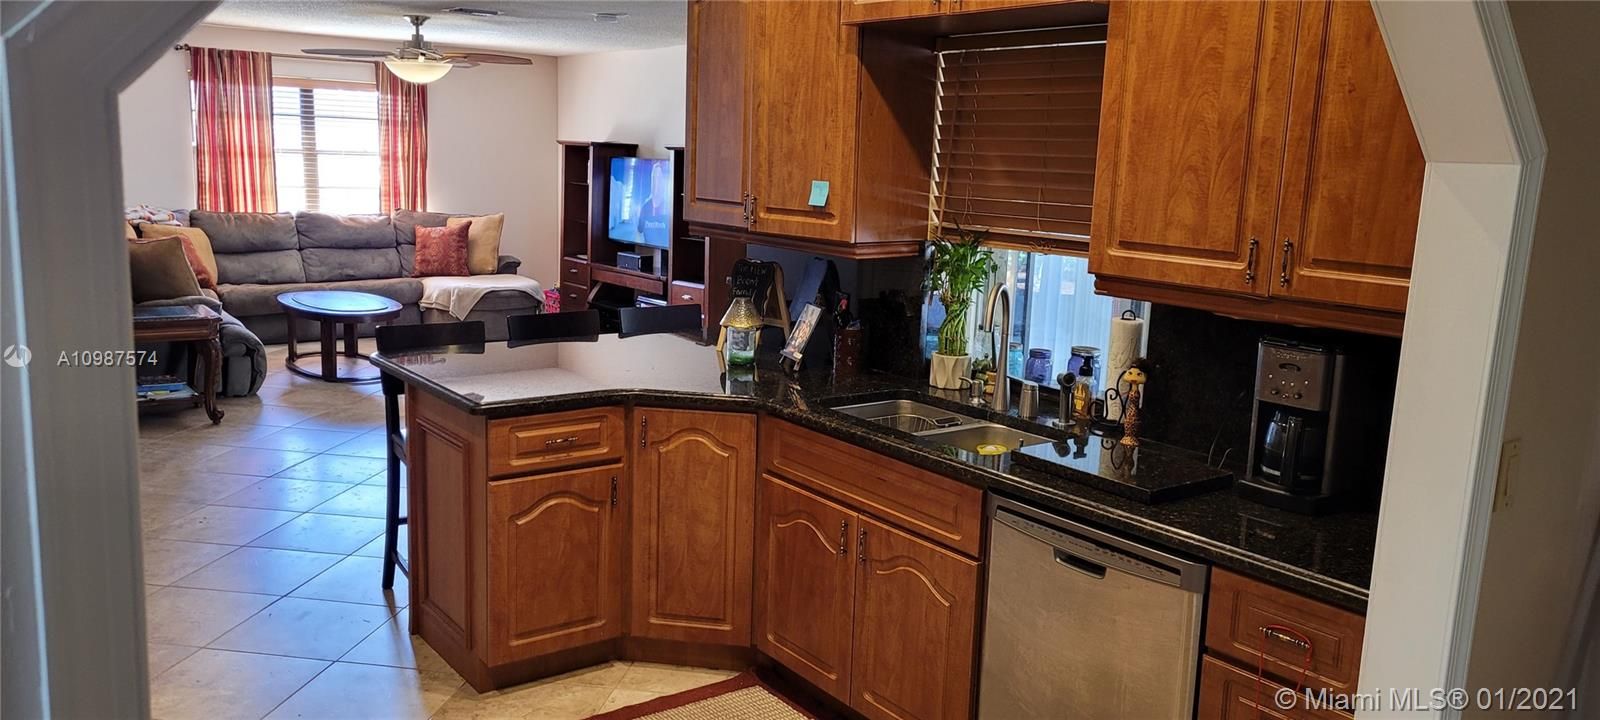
[555, 548]
[805, 584]
[915, 618]
[1229, 693]
[868, 613]
[693, 526]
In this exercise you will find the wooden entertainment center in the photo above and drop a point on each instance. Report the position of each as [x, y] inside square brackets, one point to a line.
[692, 271]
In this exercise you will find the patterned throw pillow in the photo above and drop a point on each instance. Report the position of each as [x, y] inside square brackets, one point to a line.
[196, 245]
[441, 251]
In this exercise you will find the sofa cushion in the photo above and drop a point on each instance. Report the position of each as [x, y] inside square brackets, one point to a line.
[483, 241]
[247, 232]
[276, 266]
[195, 244]
[160, 270]
[250, 300]
[405, 224]
[335, 264]
[320, 230]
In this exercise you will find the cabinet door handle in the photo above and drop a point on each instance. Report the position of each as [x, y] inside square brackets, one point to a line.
[556, 442]
[753, 205]
[1283, 270]
[744, 206]
[1250, 264]
[686, 297]
[572, 271]
[861, 545]
[644, 427]
[844, 533]
[613, 491]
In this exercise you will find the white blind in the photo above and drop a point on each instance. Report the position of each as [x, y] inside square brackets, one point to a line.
[1018, 122]
[325, 143]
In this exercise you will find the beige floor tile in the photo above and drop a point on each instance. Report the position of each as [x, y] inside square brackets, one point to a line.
[315, 532]
[359, 580]
[607, 675]
[224, 525]
[298, 439]
[382, 477]
[367, 416]
[620, 698]
[375, 548]
[167, 560]
[195, 486]
[156, 510]
[393, 645]
[258, 570]
[298, 627]
[232, 432]
[219, 685]
[335, 469]
[650, 677]
[172, 456]
[253, 461]
[562, 700]
[255, 412]
[317, 398]
[350, 691]
[186, 616]
[360, 500]
[162, 656]
[372, 444]
[281, 493]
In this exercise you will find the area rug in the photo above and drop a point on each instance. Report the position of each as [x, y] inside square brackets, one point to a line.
[741, 697]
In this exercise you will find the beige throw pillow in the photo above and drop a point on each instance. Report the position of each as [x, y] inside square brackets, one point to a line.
[131, 235]
[198, 240]
[160, 270]
[483, 241]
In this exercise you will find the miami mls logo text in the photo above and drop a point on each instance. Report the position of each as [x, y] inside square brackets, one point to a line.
[18, 355]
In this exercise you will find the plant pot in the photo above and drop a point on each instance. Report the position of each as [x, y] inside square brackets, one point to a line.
[947, 371]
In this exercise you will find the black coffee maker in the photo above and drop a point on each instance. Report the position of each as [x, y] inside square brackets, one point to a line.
[1294, 460]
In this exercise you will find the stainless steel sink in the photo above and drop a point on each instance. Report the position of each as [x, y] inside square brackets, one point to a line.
[984, 438]
[907, 415]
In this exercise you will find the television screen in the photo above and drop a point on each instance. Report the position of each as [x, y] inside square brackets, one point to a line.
[641, 202]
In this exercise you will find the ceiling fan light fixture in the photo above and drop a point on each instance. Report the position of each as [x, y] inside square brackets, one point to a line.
[418, 70]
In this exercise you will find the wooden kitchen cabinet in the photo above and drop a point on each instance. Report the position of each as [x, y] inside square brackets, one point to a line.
[805, 584]
[866, 11]
[1231, 693]
[693, 526]
[715, 185]
[561, 530]
[1256, 159]
[913, 600]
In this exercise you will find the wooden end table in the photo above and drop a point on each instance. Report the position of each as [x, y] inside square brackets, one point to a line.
[332, 308]
[196, 324]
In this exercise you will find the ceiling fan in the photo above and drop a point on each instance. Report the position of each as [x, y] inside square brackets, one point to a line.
[417, 61]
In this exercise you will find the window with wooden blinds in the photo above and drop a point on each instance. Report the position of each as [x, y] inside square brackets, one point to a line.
[1018, 119]
[325, 138]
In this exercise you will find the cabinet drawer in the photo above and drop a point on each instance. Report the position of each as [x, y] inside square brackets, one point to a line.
[519, 446]
[575, 272]
[1230, 693]
[686, 293]
[574, 297]
[1254, 623]
[937, 508]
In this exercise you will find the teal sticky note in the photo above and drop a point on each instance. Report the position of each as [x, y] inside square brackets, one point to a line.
[819, 193]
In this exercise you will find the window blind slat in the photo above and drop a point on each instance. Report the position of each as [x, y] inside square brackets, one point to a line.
[1017, 130]
[326, 138]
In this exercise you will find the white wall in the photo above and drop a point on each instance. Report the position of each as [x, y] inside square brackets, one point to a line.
[632, 96]
[491, 138]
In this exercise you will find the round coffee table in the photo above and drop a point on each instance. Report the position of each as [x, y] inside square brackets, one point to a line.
[332, 308]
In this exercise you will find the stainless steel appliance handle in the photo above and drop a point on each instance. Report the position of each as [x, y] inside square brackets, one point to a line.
[1084, 548]
[1083, 565]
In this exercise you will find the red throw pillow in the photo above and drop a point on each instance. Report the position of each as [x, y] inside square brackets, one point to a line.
[441, 251]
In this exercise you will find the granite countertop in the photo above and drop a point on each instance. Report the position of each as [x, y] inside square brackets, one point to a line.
[1327, 557]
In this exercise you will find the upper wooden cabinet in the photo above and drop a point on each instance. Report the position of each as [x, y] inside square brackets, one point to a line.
[693, 526]
[766, 128]
[1256, 150]
[861, 11]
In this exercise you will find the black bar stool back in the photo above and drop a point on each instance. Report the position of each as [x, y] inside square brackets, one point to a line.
[663, 319]
[398, 339]
[582, 325]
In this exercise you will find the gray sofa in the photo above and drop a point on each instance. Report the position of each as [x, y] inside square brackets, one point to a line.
[261, 255]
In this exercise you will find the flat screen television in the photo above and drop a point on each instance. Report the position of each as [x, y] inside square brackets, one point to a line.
[641, 202]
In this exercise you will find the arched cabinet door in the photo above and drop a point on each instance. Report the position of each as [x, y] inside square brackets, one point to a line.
[693, 525]
[913, 600]
[552, 532]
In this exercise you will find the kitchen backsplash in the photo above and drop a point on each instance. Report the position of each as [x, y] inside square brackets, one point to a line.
[1198, 397]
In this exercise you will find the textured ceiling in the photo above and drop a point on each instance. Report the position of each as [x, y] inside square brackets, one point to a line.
[536, 27]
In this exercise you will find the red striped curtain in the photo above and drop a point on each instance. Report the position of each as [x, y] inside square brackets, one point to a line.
[233, 130]
[402, 143]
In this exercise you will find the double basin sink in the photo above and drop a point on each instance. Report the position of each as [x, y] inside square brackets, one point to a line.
[944, 427]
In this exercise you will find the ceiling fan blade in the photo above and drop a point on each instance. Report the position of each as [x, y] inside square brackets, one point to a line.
[460, 63]
[347, 52]
[489, 58]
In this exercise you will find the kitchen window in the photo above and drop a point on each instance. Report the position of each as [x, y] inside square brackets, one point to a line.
[325, 144]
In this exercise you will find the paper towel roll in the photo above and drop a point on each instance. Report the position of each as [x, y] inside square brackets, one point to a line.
[1127, 345]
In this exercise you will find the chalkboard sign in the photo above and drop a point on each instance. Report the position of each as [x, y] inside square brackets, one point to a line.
[752, 278]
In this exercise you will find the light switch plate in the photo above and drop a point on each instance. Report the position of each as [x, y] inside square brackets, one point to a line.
[1506, 479]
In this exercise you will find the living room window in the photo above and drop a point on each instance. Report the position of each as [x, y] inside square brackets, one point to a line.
[325, 144]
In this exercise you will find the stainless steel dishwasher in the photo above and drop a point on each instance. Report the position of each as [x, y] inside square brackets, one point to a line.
[1084, 625]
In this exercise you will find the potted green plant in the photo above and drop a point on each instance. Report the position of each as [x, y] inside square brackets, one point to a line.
[958, 268]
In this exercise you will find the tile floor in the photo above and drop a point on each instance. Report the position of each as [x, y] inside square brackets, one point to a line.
[263, 538]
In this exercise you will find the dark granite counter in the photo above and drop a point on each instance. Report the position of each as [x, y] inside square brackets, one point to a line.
[1327, 557]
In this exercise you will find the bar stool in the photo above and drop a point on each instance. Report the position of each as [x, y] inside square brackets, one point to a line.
[398, 339]
[581, 325]
[663, 319]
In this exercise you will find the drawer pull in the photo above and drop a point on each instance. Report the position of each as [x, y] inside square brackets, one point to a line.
[558, 442]
[686, 297]
[1286, 636]
[572, 271]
